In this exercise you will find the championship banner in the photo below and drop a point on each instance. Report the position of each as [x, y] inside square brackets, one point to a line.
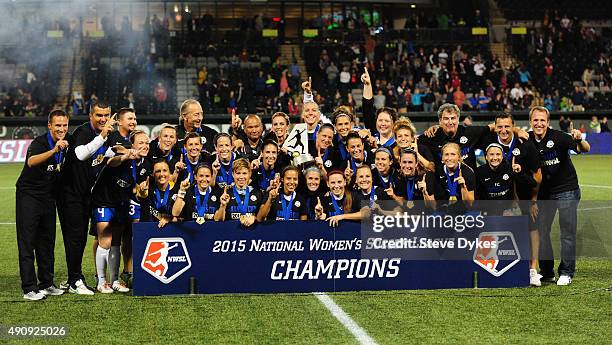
[307, 256]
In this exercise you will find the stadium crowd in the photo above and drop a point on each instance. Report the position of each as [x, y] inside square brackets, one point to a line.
[109, 173]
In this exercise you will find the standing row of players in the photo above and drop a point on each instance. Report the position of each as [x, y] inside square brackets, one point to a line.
[111, 174]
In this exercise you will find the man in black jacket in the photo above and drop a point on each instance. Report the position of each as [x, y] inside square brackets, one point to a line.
[36, 195]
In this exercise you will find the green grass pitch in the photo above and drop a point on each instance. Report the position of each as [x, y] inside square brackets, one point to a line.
[578, 314]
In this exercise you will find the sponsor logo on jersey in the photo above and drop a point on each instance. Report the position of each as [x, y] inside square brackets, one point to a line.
[166, 258]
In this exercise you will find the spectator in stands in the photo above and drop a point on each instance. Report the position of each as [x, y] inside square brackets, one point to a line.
[587, 77]
[345, 79]
[548, 69]
[472, 101]
[370, 46]
[564, 124]
[284, 83]
[478, 19]
[161, 96]
[479, 71]
[379, 99]
[428, 100]
[517, 93]
[401, 100]
[468, 121]
[524, 75]
[390, 99]
[594, 125]
[566, 104]
[417, 100]
[443, 56]
[332, 75]
[271, 89]
[604, 125]
[483, 101]
[579, 98]
[458, 97]
[548, 103]
[457, 54]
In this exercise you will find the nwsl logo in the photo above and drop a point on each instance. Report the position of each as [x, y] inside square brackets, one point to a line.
[166, 258]
[500, 256]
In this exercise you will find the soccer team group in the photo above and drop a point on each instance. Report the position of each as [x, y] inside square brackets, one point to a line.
[106, 175]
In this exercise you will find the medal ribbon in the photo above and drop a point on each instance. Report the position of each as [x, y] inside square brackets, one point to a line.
[242, 204]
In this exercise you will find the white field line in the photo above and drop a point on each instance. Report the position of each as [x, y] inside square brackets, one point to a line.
[594, 186]
[359, 333]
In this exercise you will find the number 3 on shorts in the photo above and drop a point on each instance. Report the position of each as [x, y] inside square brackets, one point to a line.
[132, 210]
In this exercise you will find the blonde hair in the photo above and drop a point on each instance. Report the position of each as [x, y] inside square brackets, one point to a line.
[404, 123]
[241, 163]
[452, 145]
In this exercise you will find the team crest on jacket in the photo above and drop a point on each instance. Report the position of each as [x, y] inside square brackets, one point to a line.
[497, 252]
[166, 258]
[550, 144]
[516, 152]
[463, 139]
[98, 160]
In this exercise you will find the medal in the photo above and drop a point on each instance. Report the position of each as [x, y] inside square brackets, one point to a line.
[161, 203]
[226, 174]
[337, 209]
[287, 206]
[189, 169]
[201, 205]
[265, 180]
[342, 147]
[451, 183]
[243, 204]
[410, 204]
[508, 155]
[59, 157]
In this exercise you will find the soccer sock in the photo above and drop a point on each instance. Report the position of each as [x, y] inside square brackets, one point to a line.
[101, 259]
[114, 260]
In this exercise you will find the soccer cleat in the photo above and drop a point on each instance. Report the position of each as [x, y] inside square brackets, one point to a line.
[534, 278]
[34, 296]
[119, 287]
[564, 280]
[105, 288]
[80, 288]
[127, 278]
[52, 291]
[548, 279]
